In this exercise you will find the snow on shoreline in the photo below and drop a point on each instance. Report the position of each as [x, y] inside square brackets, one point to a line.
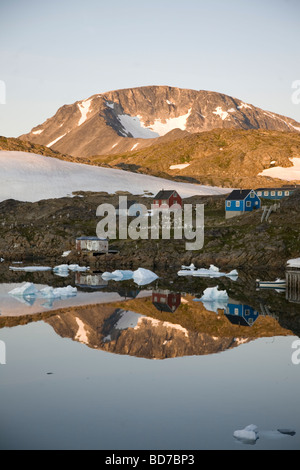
[31, 177]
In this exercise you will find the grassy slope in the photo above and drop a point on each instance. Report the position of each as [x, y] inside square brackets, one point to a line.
[218, 157]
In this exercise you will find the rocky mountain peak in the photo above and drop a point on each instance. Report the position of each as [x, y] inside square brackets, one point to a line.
[127, 119]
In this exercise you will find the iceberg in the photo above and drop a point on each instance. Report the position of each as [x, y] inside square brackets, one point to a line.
[65, 268]
[58, 293]
[212, 294]
[144, 276]
[248, 435]
[117, 275]
[212, 271]
[140, 276]
[213, 299]
[27, 289]
[30, 269]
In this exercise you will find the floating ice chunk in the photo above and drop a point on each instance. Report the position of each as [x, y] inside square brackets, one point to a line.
[233, 273]
[118, 275]
[141, 276]
[61, 267]
[76, 267]
[212, 271]
[144, 276]
[27, 289]
[30, 269]
[212, 293]
[248, 435]
[72, 267]
[214, 268]
[59, 292]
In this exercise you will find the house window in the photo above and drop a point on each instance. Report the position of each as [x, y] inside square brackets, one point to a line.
[247, 312]
[155, 298]
[236, 311]
[248, 204]
[272, 193]
[266, 193]
[279, 193]
[237, 203]
[228, 203]
[259, 193]
[286, 193]
[252, 194]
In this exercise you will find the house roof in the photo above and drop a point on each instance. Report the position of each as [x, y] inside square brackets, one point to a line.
[162, 307]
[237, 319]
[279, 188]
[238, 194]
[165, 194]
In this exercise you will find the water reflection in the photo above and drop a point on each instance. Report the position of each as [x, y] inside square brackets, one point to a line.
[165, 300]
[240, 314]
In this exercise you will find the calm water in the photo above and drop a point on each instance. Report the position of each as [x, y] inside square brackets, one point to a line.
[166, 372]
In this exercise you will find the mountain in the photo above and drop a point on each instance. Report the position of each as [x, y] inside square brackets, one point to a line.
[130, 119]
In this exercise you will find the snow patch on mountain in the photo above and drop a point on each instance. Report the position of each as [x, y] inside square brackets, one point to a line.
[244, 105]
[135, 126]
[180, 166]
[84, 108]
[219, 112]
[291, 173]
[56, 140]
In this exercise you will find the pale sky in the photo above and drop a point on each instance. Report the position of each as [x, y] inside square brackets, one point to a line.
[58, 52]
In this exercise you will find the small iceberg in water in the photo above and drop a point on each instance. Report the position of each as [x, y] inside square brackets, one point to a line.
[212, 271]
[28, 293]
[250, 434]
[214, 299]
[28, 289]
[58, 292]
[140, 276]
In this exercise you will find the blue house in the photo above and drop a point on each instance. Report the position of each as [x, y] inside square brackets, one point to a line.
[241, 314]
[240, 201]
[276, 193]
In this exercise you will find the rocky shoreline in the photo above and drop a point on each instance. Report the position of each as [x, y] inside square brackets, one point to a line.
[40, 232]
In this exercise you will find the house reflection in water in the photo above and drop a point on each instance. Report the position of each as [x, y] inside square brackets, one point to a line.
[165, 300]
[292, 276]
[90, 280]
[128, 293]
[240, 314]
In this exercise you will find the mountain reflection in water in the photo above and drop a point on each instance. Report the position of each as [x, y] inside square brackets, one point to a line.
[163, 325]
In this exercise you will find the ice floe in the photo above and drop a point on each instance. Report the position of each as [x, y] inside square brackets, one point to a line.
[70, 267]
[28, 293]
[27, 289]
[251, 433]
[30, 269]
[213, 299]
[140, 276]
[248, 435]
[212, 271]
